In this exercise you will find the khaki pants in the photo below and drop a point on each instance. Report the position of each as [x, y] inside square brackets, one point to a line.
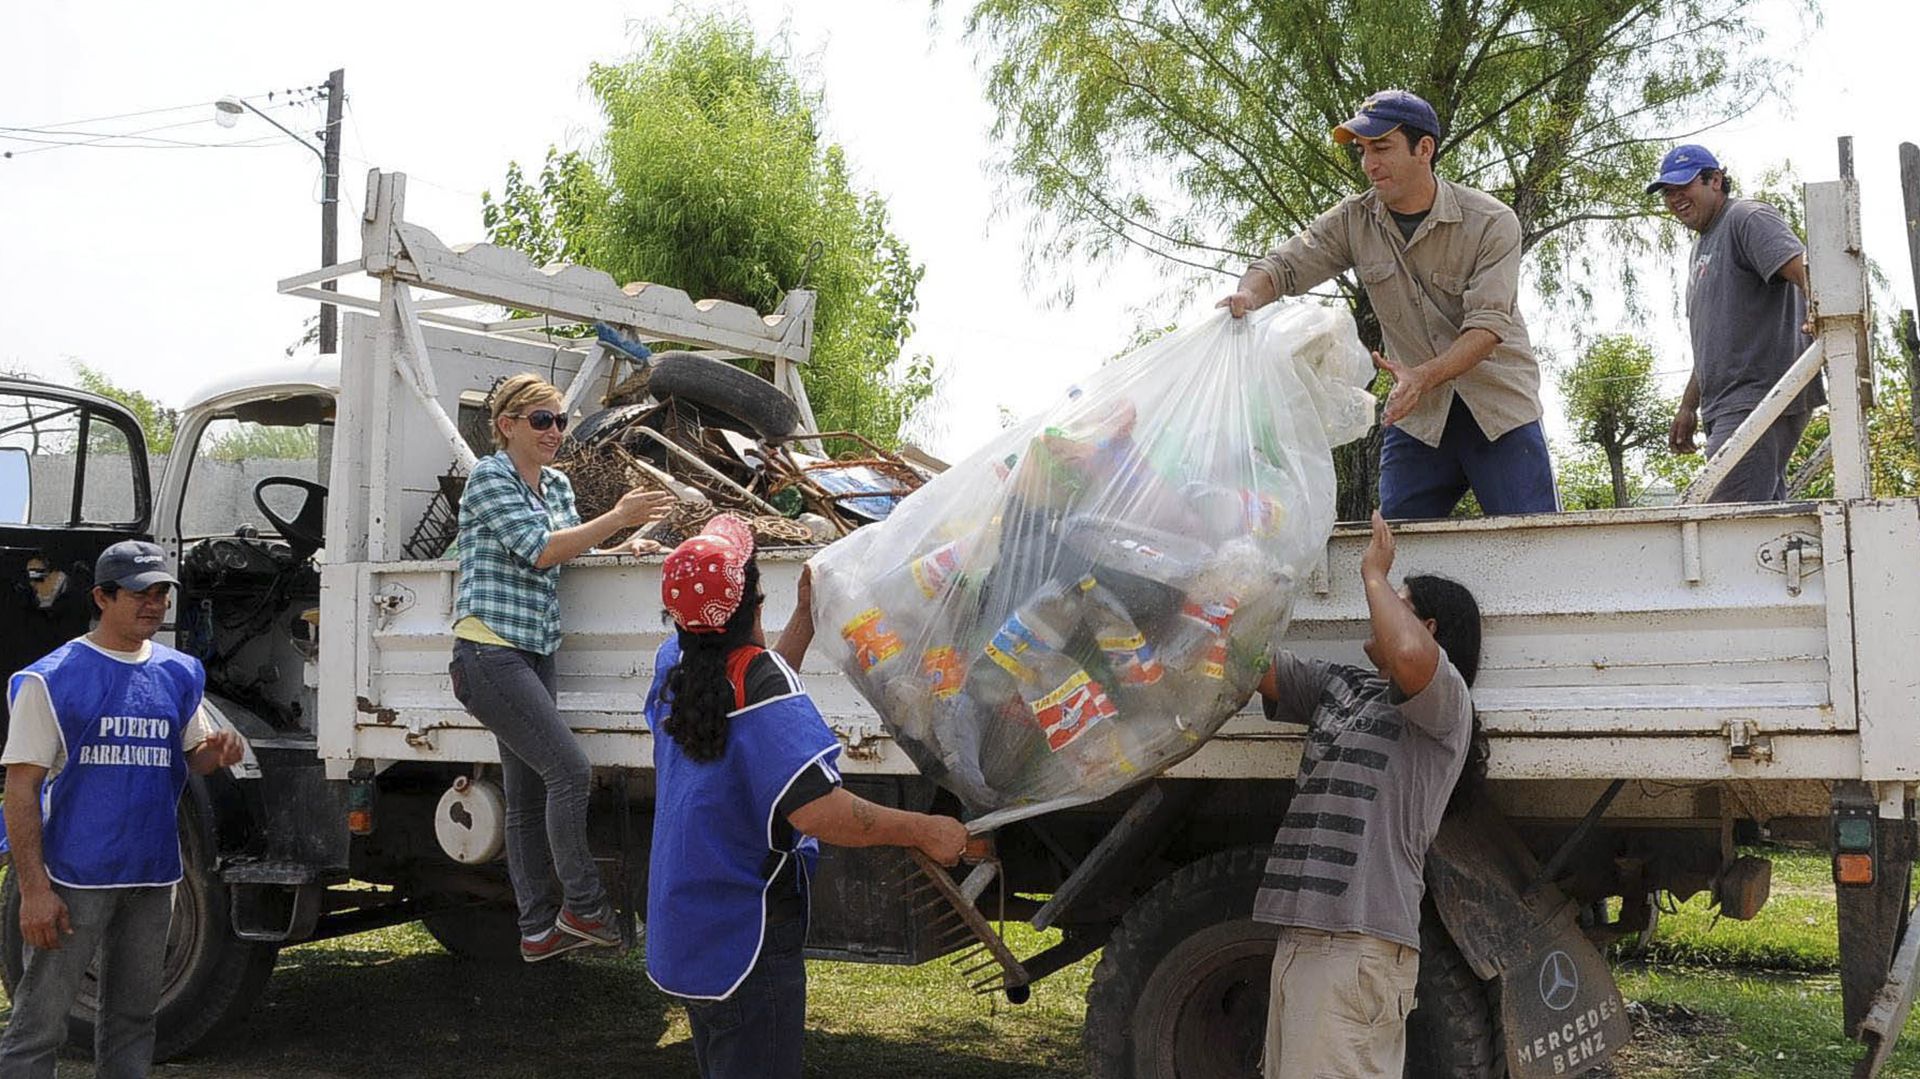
[1339, 1006]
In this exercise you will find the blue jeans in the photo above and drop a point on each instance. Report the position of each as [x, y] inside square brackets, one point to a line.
[756, 1033]
[127, 929]
[546, 778]
[1509, 474]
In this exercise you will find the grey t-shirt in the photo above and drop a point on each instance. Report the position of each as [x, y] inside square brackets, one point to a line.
[1744, 317]
[1375, 778]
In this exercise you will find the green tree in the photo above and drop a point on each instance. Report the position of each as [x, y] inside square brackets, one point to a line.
[157, 421]
[254, 442]
[713, 176]
[1614, 404]
[1197, 130]
[1893, 457]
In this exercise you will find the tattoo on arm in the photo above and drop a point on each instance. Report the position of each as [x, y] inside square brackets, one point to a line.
[863, 812]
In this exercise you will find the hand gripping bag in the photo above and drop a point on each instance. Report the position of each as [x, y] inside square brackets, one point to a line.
[1084, 601]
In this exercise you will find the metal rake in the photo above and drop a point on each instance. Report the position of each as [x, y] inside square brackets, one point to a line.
[954, 913]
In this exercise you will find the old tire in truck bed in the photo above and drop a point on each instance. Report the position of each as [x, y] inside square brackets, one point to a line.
[210, 978]
[714, 386]
[1182, 986]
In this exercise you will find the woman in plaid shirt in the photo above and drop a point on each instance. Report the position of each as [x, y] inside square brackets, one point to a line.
[518, 525]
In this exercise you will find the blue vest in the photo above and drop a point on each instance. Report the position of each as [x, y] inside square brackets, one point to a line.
[713, 843]
[109, 814]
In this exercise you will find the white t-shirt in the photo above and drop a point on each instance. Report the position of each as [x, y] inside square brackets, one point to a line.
[33, 735]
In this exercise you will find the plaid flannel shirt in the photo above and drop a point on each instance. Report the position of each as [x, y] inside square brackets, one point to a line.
[503, 529]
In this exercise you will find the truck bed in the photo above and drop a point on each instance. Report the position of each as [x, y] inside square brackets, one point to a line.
[1690, 643]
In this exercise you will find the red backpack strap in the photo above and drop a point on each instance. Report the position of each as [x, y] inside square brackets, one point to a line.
[737, 663]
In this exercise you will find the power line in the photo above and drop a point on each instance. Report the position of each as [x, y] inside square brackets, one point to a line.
[116, 140]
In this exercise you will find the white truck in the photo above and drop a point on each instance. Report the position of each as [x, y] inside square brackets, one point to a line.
[1655, 683]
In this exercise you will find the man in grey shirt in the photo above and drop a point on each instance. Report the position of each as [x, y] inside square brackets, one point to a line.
[1747, 309]
[1387, 752]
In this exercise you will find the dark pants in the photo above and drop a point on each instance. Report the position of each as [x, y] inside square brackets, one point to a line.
[1509, 474]
[127, 929]
[1761, 476]
[756, 1033]
[546, 776]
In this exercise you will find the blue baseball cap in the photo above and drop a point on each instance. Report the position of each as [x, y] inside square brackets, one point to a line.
[1385, 111]
[1681, 165]
[134, 565]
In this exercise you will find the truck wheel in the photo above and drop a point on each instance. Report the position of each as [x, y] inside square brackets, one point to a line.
[716, 386]
[210, 976]
[1182, 987]
[487, 933]
[1454, 1032]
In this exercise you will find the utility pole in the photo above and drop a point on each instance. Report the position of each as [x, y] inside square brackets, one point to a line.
[330, 204]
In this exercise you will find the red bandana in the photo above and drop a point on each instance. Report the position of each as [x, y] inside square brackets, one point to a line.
[705, 578]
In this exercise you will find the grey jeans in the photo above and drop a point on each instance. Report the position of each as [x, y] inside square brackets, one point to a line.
[127, 929]
[1761, 475]
[547, 778]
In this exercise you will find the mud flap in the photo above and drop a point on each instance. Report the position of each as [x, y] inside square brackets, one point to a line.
[1559, 1007]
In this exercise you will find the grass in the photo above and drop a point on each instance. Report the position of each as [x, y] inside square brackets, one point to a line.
[1730, 1000]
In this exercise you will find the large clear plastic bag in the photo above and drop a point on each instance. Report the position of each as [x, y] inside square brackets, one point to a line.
[1086, 600]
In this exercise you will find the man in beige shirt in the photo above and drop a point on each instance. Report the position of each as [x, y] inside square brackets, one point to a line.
[1441, 266]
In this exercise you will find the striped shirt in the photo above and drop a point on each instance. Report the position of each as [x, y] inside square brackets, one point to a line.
[504, 527]
[1375, 777]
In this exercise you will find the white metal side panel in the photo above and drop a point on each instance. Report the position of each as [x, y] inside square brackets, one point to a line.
[1592, 627]
[342, 639]
[1601, 657]
[1886, 619]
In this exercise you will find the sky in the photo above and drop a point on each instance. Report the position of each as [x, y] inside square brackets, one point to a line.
[157, 265]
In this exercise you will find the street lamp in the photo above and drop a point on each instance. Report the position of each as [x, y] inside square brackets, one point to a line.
[227, 112]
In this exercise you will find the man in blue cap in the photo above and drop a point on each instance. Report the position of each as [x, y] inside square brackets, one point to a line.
[1441, 266]
[110, 722]
[1746, 308]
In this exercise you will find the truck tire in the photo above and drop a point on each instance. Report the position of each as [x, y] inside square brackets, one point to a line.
[211, 977]
[1454, 1032]
[1182, 987]
[485, 933]
[713, 386]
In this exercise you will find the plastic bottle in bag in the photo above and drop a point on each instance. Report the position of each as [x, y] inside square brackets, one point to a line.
[1065, 700]
[1039, 627]
[1139, 678]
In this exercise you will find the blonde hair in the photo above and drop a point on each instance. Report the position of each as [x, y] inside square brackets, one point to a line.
[513, 395]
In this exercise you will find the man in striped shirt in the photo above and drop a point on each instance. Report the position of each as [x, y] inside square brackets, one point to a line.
[1386, 751]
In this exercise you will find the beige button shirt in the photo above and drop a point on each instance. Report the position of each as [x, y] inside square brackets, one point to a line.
[1460, 271]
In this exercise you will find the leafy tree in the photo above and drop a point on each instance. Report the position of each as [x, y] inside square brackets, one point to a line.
[157, 421]
[1197, 130]
[254, 442]
[1894, 459]
[713, 176]
[1614, 404]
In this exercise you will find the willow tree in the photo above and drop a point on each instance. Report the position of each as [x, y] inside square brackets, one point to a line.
[1197, 130]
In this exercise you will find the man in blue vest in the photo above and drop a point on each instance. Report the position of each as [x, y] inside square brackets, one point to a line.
[103, 732]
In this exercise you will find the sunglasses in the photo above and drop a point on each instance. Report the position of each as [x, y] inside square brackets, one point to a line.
[541, 419]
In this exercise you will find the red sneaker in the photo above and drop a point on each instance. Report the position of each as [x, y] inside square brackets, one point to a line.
[549, 944]
[603, 930]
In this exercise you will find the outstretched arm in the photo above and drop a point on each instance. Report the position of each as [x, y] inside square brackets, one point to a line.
[1405, 649]
[845, 819]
